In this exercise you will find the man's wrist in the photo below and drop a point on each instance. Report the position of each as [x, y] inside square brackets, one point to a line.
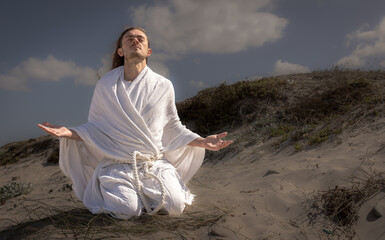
[198, 142]
[74, 135]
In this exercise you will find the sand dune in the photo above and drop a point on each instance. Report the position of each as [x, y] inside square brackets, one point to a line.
[255, 194]
[255, 189]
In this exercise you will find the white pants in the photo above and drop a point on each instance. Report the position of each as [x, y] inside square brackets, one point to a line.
[112, 190]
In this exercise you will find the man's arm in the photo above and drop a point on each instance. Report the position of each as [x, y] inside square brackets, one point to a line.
[212, 142]
[59, 131]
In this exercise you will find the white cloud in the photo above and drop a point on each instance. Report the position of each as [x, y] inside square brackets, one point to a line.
[360, 34]
[198, 84]
[370, 44]
[105, 66]
[281, 68]
[216, 26]
[85, 75]
[156, 63]
[49, 69]
[9, 82]
[351, 61]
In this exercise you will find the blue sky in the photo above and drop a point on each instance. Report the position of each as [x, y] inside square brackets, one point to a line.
[51, 52]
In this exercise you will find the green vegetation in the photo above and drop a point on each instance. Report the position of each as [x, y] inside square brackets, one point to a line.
[214, 108]
[307, 109]
[295, 110]
[13, 190]
[282, 129]
[337, 100]
[302, 132]
[298, 147]
[320, 136]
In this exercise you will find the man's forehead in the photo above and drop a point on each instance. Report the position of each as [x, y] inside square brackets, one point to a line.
[135, 33]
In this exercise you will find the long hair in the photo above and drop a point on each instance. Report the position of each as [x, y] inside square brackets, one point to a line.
[117, 60]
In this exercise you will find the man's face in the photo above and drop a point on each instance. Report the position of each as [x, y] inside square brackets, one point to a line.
[134, 46]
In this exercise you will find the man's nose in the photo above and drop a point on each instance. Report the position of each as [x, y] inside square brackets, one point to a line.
[135, 41]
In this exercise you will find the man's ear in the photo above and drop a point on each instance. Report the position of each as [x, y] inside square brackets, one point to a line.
[120, 52]
[149, 52]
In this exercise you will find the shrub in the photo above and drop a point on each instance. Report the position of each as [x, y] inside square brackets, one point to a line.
[334, 101]
[298, 147]
[13, 190]
[320, 136]
[214, 108]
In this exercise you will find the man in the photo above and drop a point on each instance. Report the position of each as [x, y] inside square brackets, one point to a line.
[133, 154]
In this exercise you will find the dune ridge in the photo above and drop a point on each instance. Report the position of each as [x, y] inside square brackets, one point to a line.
[299, 138]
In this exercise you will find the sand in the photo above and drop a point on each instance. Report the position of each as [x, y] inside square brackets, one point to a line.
[249, 191]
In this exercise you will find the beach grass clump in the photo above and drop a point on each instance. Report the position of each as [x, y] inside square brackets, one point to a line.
[320, 136]
[282, 130]
[302, 132]
[13, 190]
[340, 205]
[298, 147]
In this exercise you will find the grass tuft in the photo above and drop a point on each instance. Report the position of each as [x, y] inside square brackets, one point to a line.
[13, 190]
[340, 205]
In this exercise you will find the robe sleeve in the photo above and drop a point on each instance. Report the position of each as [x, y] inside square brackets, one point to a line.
[77, 160]
[176, 137]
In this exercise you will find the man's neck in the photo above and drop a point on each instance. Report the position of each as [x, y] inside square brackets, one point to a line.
[131, 71]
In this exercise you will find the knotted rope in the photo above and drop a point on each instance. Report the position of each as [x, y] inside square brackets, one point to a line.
[148, 160]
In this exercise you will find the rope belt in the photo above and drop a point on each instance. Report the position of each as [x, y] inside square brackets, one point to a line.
[148, 161]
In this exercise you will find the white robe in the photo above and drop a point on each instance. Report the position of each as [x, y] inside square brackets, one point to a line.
[124, 118]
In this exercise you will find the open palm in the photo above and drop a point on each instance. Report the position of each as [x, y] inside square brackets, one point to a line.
[55, 130]
[215, 143]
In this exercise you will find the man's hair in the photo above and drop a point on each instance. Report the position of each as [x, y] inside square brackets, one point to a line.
[117, 60]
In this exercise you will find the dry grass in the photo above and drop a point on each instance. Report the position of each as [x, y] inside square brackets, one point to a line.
[43, 220]
[340, 205]
[336, 100]
[306, 109]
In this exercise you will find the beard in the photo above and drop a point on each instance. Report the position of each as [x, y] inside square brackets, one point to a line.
[135, 57]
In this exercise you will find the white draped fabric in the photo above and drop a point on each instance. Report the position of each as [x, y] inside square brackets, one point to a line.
[126, 117]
